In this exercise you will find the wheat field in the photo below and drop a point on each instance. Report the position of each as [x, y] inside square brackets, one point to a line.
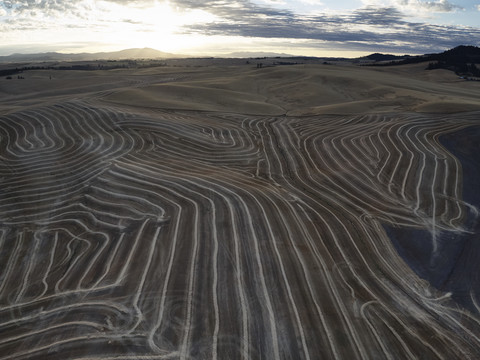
[229, 212]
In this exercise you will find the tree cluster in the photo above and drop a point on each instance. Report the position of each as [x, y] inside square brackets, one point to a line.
[463, 69]
[462, 60]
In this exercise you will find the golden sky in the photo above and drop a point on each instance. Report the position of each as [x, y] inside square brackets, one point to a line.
[218, 27]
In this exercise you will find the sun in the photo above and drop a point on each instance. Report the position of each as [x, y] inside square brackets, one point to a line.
[158, 25]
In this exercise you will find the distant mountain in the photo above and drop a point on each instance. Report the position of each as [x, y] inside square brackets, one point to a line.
[383, 57]
[145, 53]
[255, 54]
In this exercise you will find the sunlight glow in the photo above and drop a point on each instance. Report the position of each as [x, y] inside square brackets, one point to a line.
[156, 26]
[181, 27]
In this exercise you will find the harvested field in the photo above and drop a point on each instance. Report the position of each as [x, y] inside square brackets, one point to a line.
[232, 213]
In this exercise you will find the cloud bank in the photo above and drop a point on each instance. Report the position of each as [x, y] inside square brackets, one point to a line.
[385, 26]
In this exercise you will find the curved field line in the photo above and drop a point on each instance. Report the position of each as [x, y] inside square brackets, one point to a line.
[154, 234]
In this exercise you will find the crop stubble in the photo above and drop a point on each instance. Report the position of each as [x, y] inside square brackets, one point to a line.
[128, 233]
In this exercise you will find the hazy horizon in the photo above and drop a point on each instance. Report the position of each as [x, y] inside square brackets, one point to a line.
[349, 28]
[246, 53]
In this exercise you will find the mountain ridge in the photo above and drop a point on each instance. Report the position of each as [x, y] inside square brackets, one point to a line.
[133, 53]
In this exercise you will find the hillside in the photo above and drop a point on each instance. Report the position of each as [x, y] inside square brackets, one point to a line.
[461, 59]
[143, 53]
[235, 212]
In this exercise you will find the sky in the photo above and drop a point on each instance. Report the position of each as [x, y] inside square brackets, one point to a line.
[346, 28]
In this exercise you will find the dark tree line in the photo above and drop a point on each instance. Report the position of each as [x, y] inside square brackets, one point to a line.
[8, 72]
[462, 60]
[463, 69]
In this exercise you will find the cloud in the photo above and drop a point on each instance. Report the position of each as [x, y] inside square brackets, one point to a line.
[312, 2]
[133, 3]
[32, 9]
[379, 27]
[387, 16]
[435, 6]
[44, 5]
[7, 4]
[374, 26]
[417, 7]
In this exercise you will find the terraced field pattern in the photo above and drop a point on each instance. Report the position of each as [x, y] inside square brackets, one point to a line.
[239, 213]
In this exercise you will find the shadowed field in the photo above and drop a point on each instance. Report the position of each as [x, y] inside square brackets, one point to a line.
[232, 213]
